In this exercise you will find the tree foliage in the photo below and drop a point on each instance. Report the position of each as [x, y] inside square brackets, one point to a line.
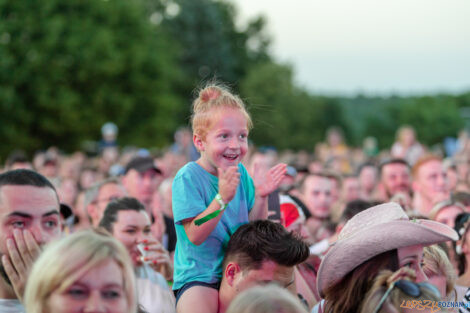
[433, 117]
[211, 45]
[66, 67]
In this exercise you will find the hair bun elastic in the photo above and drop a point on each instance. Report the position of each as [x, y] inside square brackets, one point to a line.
[209, 94]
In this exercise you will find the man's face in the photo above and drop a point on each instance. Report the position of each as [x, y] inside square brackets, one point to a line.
[317, 195]
[431, 181]
[395, 178]
[68, 191]
[50, 170]
[368, 178]
[35, 209]
[351, 189]
[106, 194]
[270, 272]
[131, 228]
[142, 185]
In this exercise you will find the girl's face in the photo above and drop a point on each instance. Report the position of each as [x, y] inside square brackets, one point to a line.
[101, 289]
[412, 257]
[226, 141]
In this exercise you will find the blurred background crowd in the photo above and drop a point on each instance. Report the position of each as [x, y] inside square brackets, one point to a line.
[322, 189]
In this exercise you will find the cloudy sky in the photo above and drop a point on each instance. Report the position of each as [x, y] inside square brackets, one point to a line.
[377, 47]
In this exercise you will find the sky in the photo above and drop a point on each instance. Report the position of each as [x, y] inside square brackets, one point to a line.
[373, 47]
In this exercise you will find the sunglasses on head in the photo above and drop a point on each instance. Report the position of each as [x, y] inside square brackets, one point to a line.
[410, 288]
[461, 223]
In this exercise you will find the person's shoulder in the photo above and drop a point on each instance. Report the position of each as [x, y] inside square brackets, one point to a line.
[190, 177]
[243, 171]
[188, 170]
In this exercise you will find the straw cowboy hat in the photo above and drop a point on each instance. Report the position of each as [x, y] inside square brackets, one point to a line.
[376, 230]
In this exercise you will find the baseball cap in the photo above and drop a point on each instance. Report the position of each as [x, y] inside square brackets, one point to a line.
[142, 164]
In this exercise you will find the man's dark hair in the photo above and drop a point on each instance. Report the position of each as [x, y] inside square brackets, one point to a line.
[23, 177]
[264, 240]
[392, 161]
[111, 211]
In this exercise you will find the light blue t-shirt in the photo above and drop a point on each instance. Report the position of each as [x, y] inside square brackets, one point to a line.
[193, 190]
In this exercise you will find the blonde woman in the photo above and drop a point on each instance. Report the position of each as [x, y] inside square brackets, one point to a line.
[88, 271]
[399, 293]
[441, 273]
[266, 299]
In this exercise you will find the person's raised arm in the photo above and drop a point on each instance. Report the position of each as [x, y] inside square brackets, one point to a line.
[265, 183]
[199, 228]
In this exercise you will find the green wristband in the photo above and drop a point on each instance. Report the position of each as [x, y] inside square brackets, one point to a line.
[219, 200]
[214, 214]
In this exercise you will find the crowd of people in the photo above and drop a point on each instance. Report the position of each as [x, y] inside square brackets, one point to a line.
[213, 224]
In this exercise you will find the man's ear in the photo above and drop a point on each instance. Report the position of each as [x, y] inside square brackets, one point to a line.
[231, 271]
[198, 142]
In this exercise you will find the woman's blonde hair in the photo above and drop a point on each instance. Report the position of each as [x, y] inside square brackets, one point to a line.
[436, 262]
[396, 297]
[66, 260]
[266, 299]
[214, 96]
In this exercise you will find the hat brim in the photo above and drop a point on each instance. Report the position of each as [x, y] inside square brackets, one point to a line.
[348, 253]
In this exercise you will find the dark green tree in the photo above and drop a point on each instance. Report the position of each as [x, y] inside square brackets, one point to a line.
[433, 117]
[211, 45]
[66, 67]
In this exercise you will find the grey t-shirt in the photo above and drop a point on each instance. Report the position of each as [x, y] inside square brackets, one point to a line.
[11, 306]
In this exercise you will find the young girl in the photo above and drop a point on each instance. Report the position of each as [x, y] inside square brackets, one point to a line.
[213, 196]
